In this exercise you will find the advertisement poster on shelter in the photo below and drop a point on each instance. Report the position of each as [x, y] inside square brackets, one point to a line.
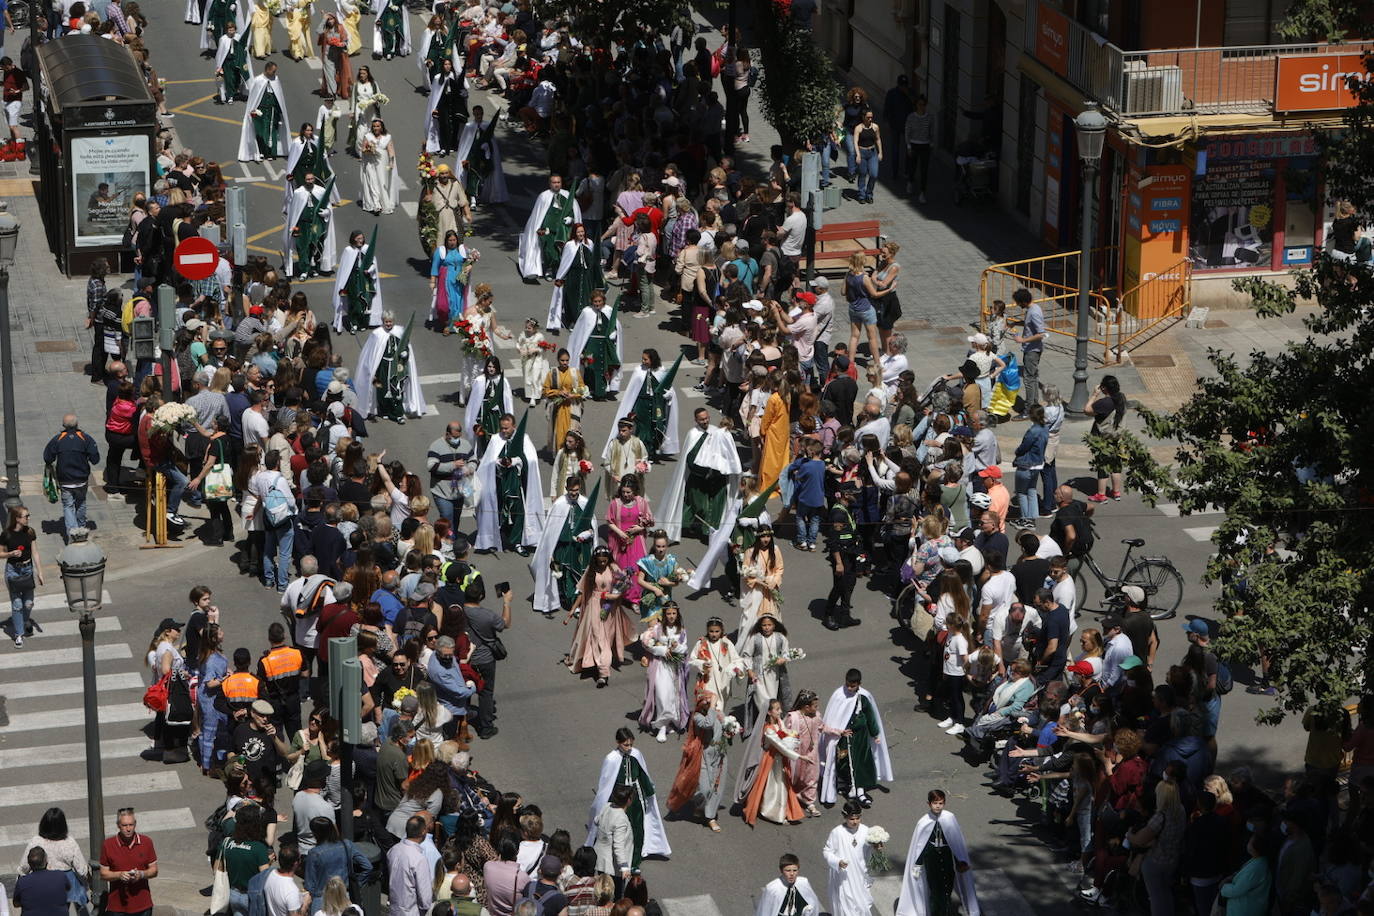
[106, 174]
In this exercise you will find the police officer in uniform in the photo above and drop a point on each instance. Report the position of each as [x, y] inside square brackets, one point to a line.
[241, 688]
[280, 670]
[842, 546]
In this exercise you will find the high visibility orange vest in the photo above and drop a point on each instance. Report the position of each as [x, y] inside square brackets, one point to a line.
[240, 687]
[282, 662]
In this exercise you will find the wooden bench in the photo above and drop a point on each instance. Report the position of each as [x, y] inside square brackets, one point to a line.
[836, 242]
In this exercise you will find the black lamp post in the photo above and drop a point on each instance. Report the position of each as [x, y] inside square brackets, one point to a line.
[1091, 127]
[83, 577]
[9, 243]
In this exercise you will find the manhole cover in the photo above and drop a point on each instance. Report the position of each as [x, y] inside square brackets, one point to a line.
[55, 346]
[1148, 361]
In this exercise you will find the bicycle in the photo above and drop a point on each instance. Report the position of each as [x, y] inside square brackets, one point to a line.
[1156, 576]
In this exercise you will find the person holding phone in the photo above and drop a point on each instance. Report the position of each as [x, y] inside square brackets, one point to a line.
[484, 629]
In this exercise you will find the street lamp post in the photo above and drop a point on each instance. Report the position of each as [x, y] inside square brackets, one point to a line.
[9, 242]
[83, 577]
[1091, 127]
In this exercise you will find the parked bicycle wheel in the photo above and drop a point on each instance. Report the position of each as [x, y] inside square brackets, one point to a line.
[1081, 578]
[19, 14]
[1162, 583]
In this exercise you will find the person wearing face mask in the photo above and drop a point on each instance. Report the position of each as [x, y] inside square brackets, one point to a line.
[450, 687]
[449, 473]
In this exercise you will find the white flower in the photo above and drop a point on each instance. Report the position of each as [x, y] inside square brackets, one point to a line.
[877, 835]
[795, 654]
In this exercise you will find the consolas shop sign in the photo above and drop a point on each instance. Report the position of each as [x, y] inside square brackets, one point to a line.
[1317, 82]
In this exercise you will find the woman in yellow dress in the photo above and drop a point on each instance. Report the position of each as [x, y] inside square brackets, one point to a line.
[298, 30]
[350, 12]
[775, 431]
[563, 391]
[262, 30]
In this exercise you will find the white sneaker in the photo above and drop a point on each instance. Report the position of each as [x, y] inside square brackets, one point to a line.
[19, 642]
[662, 735]
[955, 729]
[946, 724]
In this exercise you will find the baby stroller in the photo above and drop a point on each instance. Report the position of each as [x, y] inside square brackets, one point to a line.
[975, 179]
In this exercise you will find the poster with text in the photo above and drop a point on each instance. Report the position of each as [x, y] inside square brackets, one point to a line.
[106, 174]
[1233, 216]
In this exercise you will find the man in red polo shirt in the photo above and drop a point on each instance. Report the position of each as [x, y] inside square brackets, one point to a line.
[128, 862]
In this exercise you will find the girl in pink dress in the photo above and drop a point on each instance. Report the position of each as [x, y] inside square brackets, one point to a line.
[804, 722]
[629, 518]
[604, 629]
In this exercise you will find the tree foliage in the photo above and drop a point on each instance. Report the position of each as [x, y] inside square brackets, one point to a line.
[798, 91]
[1326, 20]
[1283, 442]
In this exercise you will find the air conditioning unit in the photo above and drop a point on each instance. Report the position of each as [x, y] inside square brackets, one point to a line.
[1153, 89]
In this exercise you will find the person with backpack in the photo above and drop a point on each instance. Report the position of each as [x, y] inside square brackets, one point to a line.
[1211, 679]
[71, 454]
[270, 493]
[545, 891]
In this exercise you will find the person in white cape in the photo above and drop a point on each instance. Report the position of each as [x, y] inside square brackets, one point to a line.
[356, 248]
[852, 719]
[272, 124]
[937, 863]
[789, 894]
[708, 472]
[401, 46]
[448, 105]
[233, 45]
[501, 526]
[547, 598]
[595, 374]
[371, 357]
[718, 548]
[493, 187]
[310, 144]
[310, 194]
[649, 361]
[548, 228]
[846, 853]
[625, 766]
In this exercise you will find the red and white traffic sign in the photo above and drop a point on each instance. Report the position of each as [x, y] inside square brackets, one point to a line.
[195, 258]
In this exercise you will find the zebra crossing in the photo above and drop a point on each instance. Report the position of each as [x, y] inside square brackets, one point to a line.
[997, 895]
[1201, 533]
[42, 727]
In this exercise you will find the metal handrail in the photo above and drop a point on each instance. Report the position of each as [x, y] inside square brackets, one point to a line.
[1151, 302]
[1052, 280]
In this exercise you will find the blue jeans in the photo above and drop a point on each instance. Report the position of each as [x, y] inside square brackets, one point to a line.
[1049, 482]
[1027, 500]
[176, 485]
[822, 361]
[809, 522]
[73, 506]
[21, 601]
[851, 156]
[276, 554]
[868, 172]
[238, 902]
[449, 509]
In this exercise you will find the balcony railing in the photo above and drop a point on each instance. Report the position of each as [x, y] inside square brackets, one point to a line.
[1233, 80]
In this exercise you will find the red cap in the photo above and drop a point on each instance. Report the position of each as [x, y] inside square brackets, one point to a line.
[808, 298]
[257, 311]
[1082, 668]
[993, 471]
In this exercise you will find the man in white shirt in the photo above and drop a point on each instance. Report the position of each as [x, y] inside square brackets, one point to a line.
[825, 319]
[999, 591]
[282, 896]
[791, 237]
[801, 325]
[255, 428]
[1061, 583]
[1118, 651]
[963, 541]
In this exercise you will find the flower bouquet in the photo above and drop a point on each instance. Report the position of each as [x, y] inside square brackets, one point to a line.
[584, 467]
[275, 8]
[381, 98]
[641, 467]
[171, 417]
[425, 166]
[878, 860]
[545, 345]
[791, 655]
[731, 728]
[556, 569]
[400, 695]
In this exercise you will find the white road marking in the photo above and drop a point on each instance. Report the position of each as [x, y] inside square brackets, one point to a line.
[66, 685]
[247, 175]
[1201, 535]
[49, 602]
[41, 793]
[1171, 510]
[698, 905]
[49, 657]
[74, 752]
[442, 378]
[411, 207]
[32, 721]
[151, 822]
[272, 174]
[71, 627]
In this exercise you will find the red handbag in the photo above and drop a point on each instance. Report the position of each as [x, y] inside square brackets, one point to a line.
[155, 697]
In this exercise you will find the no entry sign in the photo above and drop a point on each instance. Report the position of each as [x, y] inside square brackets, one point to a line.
[195, 258]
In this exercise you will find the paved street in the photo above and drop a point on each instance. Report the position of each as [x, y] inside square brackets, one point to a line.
[553, 729]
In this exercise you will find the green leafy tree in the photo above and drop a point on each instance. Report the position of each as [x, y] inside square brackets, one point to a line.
[798, 90]
[1283, 442]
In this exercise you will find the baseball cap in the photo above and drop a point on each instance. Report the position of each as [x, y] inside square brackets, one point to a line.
[195, 324]
[257, 311]
[1135, 596]
[335, 409]
[1196, 626]
[808, 298]
[410, 704]
[335, 387]
[841, 362]
[1131, 661]
[965, 431]
[979, 340]
[423, 592]
[169, 623]
[263, 708]
[949, 555]
[1111, 622]
[1082, 669]
[316, 774]
[992, 473]
[754, 305]
[964, 534]
[820, 283]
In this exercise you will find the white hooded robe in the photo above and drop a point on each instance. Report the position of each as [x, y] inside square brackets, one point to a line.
[494, 187]
[248, 142]
[655, 837]
[347, 259]
[488, 518]
[531, 257]
[839, 709]
[627, 404]
[299, 199]
[718, 453]
[546, 597]
[582, 332]
[915, 892]
[369, 359]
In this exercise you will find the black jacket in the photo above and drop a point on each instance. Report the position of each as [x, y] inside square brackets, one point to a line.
[72, 452]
